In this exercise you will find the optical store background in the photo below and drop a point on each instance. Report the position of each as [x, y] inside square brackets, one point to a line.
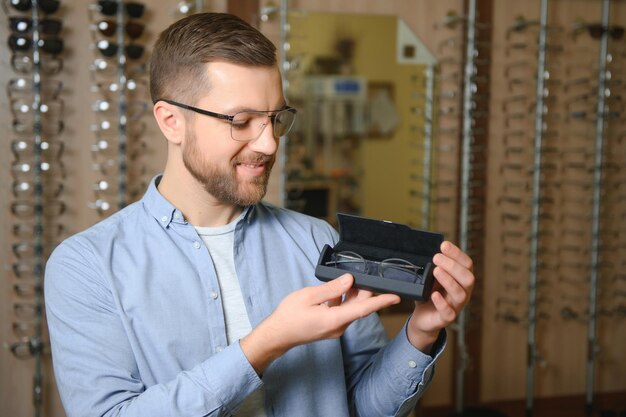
[499, 123]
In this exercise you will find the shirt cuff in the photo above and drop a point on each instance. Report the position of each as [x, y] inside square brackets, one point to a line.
[410, 362]
[237, 378]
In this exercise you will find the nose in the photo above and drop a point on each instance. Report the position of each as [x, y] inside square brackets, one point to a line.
[266, 143]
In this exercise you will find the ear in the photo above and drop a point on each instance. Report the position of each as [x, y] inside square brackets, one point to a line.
[170, 120]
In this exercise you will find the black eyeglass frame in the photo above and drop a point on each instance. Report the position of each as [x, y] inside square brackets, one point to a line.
[230, 119]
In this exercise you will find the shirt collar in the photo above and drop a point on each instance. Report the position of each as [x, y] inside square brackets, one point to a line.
[165, 212]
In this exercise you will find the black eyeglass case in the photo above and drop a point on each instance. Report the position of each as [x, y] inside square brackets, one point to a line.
[377, 240]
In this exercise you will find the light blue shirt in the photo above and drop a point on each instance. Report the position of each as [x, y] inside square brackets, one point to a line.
[137, 327]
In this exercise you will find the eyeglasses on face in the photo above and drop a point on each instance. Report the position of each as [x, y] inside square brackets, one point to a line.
[46, 6]
[247, 126]
[392, 268]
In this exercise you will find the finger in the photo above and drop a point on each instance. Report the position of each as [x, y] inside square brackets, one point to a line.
[330, 290]
[348, 312]
[464, 276]
[444, 309]
[357, 294]
[334, 301]
[455, 293]
[452, 251]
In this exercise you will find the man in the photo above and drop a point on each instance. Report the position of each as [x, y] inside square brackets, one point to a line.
[201, 300]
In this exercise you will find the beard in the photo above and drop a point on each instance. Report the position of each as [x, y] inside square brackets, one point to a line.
[222, 183]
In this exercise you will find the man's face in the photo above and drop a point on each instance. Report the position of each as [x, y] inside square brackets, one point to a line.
[233, 172]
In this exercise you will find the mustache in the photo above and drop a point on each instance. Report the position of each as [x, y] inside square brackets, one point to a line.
[258, 158]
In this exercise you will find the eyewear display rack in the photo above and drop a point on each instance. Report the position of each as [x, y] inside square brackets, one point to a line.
[427, 147]
[471, 205]
[285, 66]
[532, 354]
[32, 345]
[121, 103]
[592, 343]
[125, 164]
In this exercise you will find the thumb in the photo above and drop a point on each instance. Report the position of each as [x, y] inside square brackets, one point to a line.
[332, 289]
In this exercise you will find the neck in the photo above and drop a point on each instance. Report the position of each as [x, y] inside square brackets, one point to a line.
[199, 207]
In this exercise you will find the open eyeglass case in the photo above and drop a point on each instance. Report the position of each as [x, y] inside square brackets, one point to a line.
[377, 241]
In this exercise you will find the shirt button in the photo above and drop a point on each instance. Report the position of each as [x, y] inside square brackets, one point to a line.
[219, 349]
[412, 364]
[196, 244]
[164, 218]
[176, 215]
[213, 295]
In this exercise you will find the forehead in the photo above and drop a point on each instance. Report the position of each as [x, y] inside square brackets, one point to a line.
[252, 87]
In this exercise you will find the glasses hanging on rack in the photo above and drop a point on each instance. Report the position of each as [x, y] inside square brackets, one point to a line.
[120, 101]
[37, 207]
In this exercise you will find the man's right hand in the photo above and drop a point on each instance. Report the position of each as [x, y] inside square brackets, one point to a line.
[310, 314]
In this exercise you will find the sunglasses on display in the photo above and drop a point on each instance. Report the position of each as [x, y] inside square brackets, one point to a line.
[109, 49]
[106, 27]
[133, 110]
[21, 43]
[46, 6]
[23, 24]
[596, 30]
[109, 8]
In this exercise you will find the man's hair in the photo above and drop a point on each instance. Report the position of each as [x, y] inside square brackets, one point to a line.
[178, 62]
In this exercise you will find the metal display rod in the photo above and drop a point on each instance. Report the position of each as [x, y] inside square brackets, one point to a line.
[428, 145]
[121, 102]
[534, 218]
[469, 91]
[285, 67]
[36, 343]
[595, 221]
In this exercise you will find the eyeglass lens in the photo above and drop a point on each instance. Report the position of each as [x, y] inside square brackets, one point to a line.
[247, 126]
[394, 268]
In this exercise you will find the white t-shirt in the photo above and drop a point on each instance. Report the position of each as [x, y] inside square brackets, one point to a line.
[220, 243]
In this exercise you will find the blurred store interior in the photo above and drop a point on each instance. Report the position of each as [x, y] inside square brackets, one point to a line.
[499, 123]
